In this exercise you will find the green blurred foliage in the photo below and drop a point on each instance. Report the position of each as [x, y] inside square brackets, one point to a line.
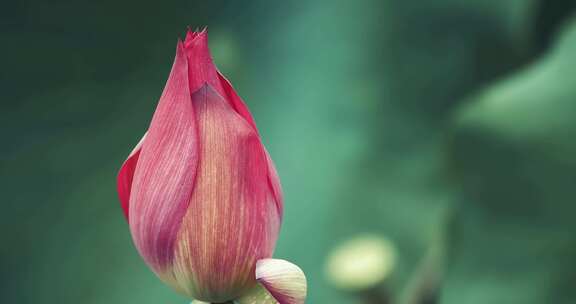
[439, 124]
[514, 146]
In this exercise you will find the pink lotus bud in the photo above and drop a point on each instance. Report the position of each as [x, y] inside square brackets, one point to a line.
[200, 192]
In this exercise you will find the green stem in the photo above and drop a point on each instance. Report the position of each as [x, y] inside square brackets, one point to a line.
[376, 296]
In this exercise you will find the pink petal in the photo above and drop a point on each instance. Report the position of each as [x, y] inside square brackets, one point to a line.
[235, 101]
[191, 35]
[165, 172]
[126, 175]
[201, 68]
[233, 220]
[284, 281]
[274, 184]
[240, 107]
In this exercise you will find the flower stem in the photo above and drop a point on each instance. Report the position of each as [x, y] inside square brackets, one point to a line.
[376, 296]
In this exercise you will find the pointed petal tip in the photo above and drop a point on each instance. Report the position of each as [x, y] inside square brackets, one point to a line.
[180, 47]
[190, 34]
[203, 31]
[200, 63]
[198, 30]
[193, 35]
[285, 281]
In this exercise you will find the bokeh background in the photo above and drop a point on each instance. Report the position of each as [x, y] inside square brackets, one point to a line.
[447, 127]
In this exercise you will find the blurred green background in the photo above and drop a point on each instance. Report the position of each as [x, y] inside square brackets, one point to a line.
[443, 124]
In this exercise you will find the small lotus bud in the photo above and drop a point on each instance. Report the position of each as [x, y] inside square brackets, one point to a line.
[361, 263]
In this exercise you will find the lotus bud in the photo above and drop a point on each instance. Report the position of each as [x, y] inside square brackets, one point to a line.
[200, 191]
[361, 263]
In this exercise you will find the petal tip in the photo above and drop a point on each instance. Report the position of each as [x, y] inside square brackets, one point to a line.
[198, 35]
